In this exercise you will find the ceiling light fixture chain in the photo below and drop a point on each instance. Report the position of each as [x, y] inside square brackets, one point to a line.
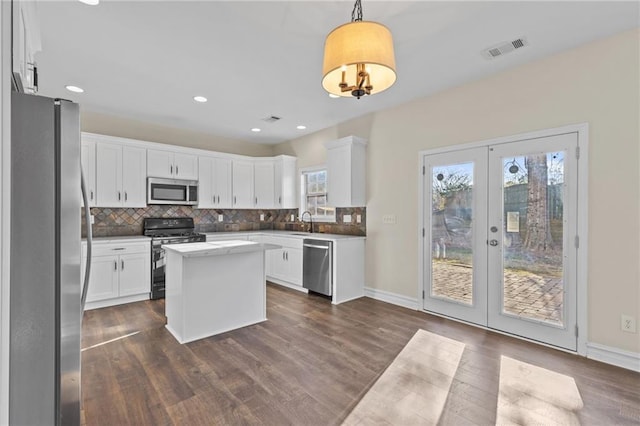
[358, 58]
[356, 14]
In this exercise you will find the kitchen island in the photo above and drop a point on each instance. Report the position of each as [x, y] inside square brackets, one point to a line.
[214, 287]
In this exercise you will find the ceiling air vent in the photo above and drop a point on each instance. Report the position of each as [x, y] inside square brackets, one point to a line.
[271, 119]
[504, 48]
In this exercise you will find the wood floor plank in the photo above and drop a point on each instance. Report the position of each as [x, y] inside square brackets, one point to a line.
[310, 364]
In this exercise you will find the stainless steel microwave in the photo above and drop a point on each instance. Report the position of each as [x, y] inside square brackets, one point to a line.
[172, 191]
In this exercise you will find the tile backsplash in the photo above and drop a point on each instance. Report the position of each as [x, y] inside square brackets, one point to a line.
[120, 222]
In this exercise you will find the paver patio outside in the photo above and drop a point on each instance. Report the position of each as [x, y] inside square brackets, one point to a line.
[526, 294]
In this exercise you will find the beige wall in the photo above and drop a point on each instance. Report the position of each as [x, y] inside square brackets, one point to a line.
[123, 127]
[597, 83]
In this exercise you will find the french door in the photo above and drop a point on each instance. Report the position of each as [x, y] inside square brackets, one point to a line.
[500, 223]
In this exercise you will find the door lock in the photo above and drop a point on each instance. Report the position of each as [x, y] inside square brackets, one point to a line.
[493, 243]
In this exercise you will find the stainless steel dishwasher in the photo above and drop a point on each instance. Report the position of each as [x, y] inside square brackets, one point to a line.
[317, 266]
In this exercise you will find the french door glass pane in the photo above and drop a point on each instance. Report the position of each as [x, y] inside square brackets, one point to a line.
[533, 223]
[452, 241]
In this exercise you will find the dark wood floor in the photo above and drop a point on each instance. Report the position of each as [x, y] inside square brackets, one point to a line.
[309, 364]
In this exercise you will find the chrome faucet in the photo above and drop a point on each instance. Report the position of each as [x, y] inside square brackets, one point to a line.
[310, 220]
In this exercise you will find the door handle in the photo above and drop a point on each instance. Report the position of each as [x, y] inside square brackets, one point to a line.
[91, 193]
[213, 199]
[287, 256]
[125, 195]
[218, 199]
[493, 243]
[119, 196]
[279, 200]
[171, 169]
[256, 201]
[115, 265]
[234, 199]
[122, 264]
[176, 170]
[283, 255]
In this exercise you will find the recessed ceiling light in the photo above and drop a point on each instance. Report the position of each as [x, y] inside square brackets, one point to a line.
[90, 2]
[200, 99]
[301, 127]
[75, 89]
[331, 95]
[255, 129]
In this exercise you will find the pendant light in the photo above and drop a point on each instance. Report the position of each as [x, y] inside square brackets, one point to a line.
[358, 58]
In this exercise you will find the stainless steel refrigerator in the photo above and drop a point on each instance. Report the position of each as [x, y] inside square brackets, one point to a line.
[46, 289]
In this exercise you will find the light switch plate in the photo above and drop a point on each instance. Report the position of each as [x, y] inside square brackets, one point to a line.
[358, 218]
[389, 218]
[628, 323]
[346, 218]
[261, 217]
[220, 218]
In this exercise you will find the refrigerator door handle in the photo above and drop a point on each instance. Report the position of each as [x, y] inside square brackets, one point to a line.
[87, 217]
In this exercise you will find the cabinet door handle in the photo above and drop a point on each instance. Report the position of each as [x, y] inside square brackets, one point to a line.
[218, 199]
[122, 264]
[283, 255]
[256, 201]
[213, 199]
[234, 199]
[119, 196]
[176, 170]
[91, 195]
[279, 200]
[115, 265]
[287, 256]
[125, 195]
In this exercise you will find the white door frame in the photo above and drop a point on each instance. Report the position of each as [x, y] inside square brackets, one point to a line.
[582, 130]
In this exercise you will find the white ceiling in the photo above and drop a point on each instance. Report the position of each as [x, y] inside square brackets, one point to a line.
[146, 60]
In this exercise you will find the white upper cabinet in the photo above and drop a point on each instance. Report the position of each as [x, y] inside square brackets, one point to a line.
[214, 182]
[120, 175]
[285, 182]
[88, 161]
[264, 182]
[26, 43]
[171, 165]
[346, 172]
[243, 184]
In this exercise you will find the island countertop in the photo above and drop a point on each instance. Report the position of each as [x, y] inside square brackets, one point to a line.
[218, 248]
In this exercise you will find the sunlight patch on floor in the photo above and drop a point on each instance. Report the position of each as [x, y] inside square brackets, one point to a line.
[531, 395]
[109, 341]
[414, 388]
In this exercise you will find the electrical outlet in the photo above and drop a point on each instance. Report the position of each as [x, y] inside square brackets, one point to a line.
[628, 323]
[346, 218]
[389, 218]
[92, 219]
[261, 217]
[220, 218]
[293, 218]
[358, 218]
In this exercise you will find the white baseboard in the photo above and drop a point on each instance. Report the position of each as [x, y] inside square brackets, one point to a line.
[393, 298]
[614, 356]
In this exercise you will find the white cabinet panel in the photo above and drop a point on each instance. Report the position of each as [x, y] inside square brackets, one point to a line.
[243, 184]
[133, 276]
[185, 166]
[171, 165]
[285, 182]
[214, 182]
[159, 164]
[264, 181]
[108, 175]
[88, 161]
[120, 176]
[294, 266]
[346, 166]
[134, 188]
[103, 283]
[120, 273]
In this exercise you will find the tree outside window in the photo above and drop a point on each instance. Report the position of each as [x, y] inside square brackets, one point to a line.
[314, 195]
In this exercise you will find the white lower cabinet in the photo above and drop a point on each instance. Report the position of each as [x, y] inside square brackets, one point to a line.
[284, 265]
[120, 272]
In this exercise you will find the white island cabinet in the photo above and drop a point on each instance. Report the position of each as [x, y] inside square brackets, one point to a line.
[214, 287]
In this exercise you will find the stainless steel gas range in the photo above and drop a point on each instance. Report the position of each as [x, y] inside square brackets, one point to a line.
[167, 231]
